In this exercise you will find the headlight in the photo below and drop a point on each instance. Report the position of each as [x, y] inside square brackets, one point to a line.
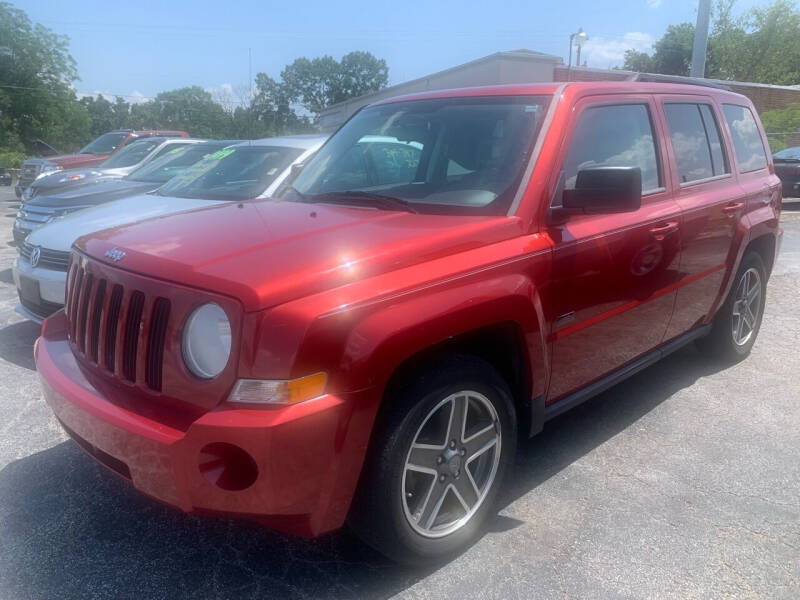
[207, 341]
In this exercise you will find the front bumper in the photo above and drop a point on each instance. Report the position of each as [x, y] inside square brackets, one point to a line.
[40, 291]
[306, 464]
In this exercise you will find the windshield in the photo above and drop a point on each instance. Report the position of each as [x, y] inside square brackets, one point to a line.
[173, 162]
[447, 155]
[234, 173]
[105, 144]
[132, 153]
[788, 153]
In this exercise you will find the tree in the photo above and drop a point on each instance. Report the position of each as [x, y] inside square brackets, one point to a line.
[761, 46]
[323, 81]
[672, 53]
[191, 109]
[36, 95]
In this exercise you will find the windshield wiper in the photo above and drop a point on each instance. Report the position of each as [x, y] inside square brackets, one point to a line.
[362, 198]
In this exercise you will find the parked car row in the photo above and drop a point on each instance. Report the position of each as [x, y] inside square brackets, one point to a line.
[362, 338]
[91, 155]
[192, 173]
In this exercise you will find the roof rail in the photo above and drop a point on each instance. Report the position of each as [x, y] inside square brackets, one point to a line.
[659, 78]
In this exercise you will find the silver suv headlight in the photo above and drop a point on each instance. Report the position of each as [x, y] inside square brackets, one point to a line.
[206, 344]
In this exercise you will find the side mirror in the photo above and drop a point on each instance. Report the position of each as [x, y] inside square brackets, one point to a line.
[600, 190]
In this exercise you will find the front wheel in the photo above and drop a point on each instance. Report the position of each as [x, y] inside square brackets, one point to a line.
[441, 452]
[738, 320]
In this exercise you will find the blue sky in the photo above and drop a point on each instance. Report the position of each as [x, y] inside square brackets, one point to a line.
[140, 47]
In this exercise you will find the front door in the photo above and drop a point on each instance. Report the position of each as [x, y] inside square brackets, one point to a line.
[613, 290]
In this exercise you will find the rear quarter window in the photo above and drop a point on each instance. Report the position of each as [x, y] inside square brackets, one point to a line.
[747, 143]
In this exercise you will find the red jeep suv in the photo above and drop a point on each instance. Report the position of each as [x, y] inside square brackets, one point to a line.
[450, 269]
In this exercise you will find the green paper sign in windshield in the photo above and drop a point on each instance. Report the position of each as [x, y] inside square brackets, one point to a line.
[222, 153]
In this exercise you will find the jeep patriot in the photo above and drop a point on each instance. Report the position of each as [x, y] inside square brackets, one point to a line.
[450, 270]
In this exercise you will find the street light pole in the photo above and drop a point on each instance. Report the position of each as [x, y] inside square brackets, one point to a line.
[698, 68]
[579, 37]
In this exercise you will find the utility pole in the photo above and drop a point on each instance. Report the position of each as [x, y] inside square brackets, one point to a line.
[700, 39]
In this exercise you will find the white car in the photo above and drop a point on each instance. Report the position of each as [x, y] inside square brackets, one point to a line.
[248, 170]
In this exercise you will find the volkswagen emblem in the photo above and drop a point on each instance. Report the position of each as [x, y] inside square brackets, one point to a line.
[36, 254]
[115, 254]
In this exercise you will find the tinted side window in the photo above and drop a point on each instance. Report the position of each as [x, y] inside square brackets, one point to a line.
[619, 136]
[695, 141]
[746, 138]
[714, 140]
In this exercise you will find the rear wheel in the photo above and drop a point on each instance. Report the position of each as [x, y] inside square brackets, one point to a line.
[438, 460]
[738, 320]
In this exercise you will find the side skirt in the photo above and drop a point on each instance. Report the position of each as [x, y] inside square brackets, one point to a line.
[541, 413]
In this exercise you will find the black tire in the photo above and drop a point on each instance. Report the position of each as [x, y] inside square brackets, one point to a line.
[720, 342]
[378, 514]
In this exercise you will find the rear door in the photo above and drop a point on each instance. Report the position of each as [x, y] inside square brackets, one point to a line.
[611, 296]
[711, 202]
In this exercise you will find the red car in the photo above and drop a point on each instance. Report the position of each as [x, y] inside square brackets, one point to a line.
[89, 156]
[450, 270]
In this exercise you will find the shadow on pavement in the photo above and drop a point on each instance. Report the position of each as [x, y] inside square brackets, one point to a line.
[16, 343]
[6, 276]
[70, 529]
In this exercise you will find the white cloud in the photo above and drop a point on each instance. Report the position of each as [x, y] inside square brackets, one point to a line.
[653, 4]
[604, 52]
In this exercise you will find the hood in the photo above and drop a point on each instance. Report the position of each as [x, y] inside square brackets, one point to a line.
[69, 179]
[269, 252]
[72, 161]
[61, 233]
[98, 192]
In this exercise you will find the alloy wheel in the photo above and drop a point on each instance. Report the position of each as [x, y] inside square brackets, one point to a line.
[746, 306]
[451, 464]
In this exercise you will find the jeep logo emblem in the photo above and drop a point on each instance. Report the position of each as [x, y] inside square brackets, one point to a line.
[115, 254]
[36, 254]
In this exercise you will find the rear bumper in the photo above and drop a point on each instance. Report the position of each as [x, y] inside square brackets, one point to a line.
[293, 468]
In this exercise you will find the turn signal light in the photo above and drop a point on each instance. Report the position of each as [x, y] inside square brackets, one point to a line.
[266, 391]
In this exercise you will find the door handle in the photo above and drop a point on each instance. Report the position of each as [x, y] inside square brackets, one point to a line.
[659, 232]
[733, 208]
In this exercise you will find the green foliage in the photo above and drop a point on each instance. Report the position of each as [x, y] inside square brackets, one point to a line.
[11, 160]
[780, 122]
[762, 46]
[36, 95]
[323, 81]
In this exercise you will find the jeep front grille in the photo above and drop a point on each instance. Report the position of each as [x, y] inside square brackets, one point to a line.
[110, 325]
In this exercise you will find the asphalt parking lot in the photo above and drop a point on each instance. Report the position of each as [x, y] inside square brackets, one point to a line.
[683, 482]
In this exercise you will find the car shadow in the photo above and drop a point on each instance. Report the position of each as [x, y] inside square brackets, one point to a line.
[71, 529]
[16, 343]
[6, 276]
